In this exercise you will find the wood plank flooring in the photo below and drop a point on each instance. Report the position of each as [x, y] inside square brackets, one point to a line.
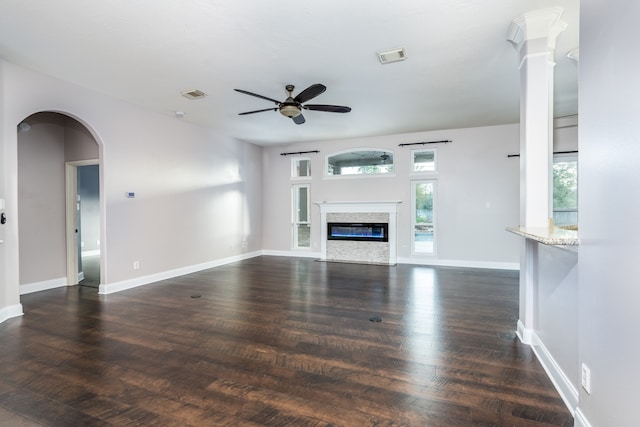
[274, 341]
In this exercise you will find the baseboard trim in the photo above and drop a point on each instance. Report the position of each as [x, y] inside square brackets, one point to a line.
[10, 311]
[523, 333]
[123, 285]
[43, 286]
[418, 261]
[493, 265]
[568, 392]
[293, 254]
[580, 420]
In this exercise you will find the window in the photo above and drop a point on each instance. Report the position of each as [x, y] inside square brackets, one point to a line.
[300, 167]
[360, 162]
[423, 160]
[301, 216]
[565, 189]
[423, 217]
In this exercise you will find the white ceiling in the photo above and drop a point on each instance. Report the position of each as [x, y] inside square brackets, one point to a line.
[460, 70]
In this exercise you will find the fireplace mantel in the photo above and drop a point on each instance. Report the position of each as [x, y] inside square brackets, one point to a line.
[360, 208]
[385, 206]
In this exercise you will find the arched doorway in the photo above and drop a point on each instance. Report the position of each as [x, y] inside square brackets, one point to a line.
[49, 143]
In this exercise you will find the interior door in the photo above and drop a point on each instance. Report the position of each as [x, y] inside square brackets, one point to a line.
[73, 220]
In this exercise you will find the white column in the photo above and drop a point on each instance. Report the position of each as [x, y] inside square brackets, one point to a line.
[534, 37]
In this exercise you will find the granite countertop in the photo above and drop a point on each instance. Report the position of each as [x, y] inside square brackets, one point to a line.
[556, 236]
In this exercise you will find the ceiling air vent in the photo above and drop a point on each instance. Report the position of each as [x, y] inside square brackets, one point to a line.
[194, 94]
[393, 55]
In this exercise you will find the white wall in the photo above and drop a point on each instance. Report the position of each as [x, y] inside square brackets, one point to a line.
[9, 295]
[477, 192]
[41, 199]
[198, 193]
[79, 144]
[609, 267]
[555, 316]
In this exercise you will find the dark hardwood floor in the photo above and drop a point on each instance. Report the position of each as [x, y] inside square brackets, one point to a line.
[275, 341]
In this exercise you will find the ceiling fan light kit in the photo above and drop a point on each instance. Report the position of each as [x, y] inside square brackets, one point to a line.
[292, 107]
[289, 110]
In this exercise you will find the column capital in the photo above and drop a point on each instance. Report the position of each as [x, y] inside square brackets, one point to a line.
[539, 24]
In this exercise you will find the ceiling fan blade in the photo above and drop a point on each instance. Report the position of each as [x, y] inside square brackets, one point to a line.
[257, 96]
[329, 108]
[257, 111]
[310, 92]
[299, 119]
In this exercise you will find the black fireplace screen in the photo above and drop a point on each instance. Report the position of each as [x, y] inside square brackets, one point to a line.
[362, 232]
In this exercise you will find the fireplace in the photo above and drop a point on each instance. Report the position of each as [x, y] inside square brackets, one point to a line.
[358, 232]
[363, 232]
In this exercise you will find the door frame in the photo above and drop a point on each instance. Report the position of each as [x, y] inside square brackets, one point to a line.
[71, 192]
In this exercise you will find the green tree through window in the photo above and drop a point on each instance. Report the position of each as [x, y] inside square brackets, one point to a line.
[565, 190]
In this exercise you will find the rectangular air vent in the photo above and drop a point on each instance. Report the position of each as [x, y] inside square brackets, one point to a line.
[194, 94]
[393, 55]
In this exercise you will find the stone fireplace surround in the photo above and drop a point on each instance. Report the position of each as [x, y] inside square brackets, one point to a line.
[354, 251]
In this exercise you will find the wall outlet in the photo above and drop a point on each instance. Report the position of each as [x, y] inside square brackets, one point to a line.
[586, 378]
[136, 265]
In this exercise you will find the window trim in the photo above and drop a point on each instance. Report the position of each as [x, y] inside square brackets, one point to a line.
[567, 157]
[326, 174]
[295, 197]
[412, 159]
[294, 168]
[434, 253]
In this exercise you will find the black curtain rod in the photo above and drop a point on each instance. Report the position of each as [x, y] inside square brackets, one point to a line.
[430, 142]
[300, 152]
[555, 152]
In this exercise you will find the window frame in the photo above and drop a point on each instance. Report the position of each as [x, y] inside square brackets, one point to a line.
[415, 151]
[434, 183]
[566, 157]
[295, 209]
[327, 175]
[295, 161]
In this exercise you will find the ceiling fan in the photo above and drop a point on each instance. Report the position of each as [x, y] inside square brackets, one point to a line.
[292, 107]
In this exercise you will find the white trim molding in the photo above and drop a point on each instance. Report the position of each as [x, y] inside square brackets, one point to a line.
[563, 385]
[10, 311]
[123, 285]
[43, 286]
[524, 333]
[292, 254]
[462, 263]
[491, 265]
[539, 24]
[580, 420]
